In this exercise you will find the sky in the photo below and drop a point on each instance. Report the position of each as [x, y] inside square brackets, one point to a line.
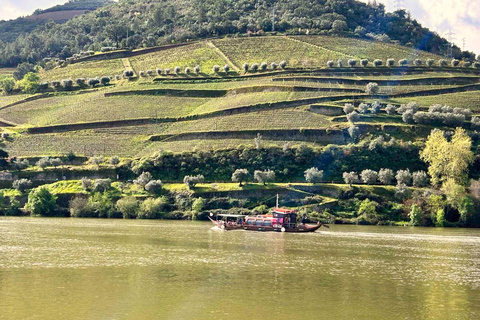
[462, 17]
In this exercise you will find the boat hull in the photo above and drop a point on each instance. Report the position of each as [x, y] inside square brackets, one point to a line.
[298, 229]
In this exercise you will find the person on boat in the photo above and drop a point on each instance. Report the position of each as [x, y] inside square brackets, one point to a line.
[304, 218]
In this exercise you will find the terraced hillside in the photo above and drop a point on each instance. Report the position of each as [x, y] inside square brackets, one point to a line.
[301, 103]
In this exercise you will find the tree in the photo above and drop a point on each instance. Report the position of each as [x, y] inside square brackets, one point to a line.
[56, 162]
[330, 64]
[402, 192]
[7, 84]
[128, 207]
[448, 160]
[106, 80]
[97, 160]
[377, 62]
[41, 202]
[116, 32]
[339, 26]
[152, 208]
[192, 181]
[29, 83]
[43, 162]
[216, 68]
[22, 184]
[376, 106]
[415, 215]
[258, 141]
[350, 178]
[352, 62]
[420, 179]
[143, 179]
[353, 132]
[255, 67]
[264, 176]
[240, 175]
[368, 209]
[404, 177]
[177, 70]
[353, 117]
[283, 64]
[154, 186]
[372, 88]
[385, 176]
[369, 176]
[197, 207]
[391, 109]
[348, 108]
[102, 185]
[86, 183]
[92, 82]
[114, 160]
[245, 67]
[363, 108]
[458, 198]
[364, 62]
[67, 84]
[429, 62]
[390, 62]
[263, 66]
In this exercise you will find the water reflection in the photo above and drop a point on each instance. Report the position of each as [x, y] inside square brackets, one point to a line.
[115, 269]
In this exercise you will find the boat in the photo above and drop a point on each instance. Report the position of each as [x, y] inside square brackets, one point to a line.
[228, 221]
[279, 219]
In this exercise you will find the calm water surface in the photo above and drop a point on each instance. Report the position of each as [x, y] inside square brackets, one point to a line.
[115, 269]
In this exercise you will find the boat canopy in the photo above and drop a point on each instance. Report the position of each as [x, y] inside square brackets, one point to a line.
[231, 215]
[283, 210]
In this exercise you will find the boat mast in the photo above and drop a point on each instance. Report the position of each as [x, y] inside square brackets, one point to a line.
[277, 201]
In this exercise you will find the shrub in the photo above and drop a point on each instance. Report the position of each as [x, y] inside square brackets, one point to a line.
[465, 111]
[192, 181]
[128, 207]
[93, 82]
[377, 63]
[415, 215]
[143, 179]
[402, 62]
[352, 62]
[42, 86]
[56, 84]
[476, 122]
[97, 160]
[245, 67]
[196, 69]
[353, 117]
[56, 162]
[339, 63]
[350, 177]
[80, 82]
[159, 71]
[22, 184]
[114, 160]
[467, 64]
[177, 70]
[152, 208]
[363, 108]
[283, 64]
[263, 66]
[364, 62]
[43, 162]
[372, 88]
[353, 132]
[150, 73]
[476, 65]
[240, 175]
[391, 109]
[369, 176]
[376, 106]
[22, 164]
[454, 119]
[420, 179]
[255, 67]
[154, 186]
[430, 62]
[226, 68]
[102, 185]
[348, 108]
[274, 66]
[385, 176]
[41, 202]
[360, 31]
[330, 64]
[188, 70]
[390, 62]
[417, 62]
[67, 84]
[442, 63]
[79, 207]
[128, 73]
[86, 183]
[403, 177]
[455, 62]
[106, 80]
[264, 176]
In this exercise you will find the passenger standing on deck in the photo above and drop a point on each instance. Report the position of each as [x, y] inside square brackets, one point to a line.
[304, 218]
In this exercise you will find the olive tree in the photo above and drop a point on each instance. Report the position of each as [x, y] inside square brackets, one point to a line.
[159, 71]
[22, 184]
[340, 63]
[330, 64]
[226, 68]
[352, 62]
[455, 63]
[420, 179]
[391, 109]
[102, 185]
[402, 192]
[417, 62]
[353, 117]
[404, 177]
[263, 66]
[274, 66]
[372, 88]
[348, 108]
[192, 181]
[390, 62]
[176, 70]
[364, 62]
[97, 160]
[283, 64]
[43, 162]
[246, 66]
[385, 176]
[93, 82]
[376, 106]
[188, 70]
[143, 179]
[377, 63]
[264, 176]
[350, 177]
[154, 186]
[363, 108]
[240, 175]
[353, 132]
[442, 63]
[313, 175]
[429, 62]
[67, 84]
[369, 176]
[86, 183]
[255, 67]
[196, 69]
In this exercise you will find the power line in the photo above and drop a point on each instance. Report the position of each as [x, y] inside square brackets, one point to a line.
[399, 4]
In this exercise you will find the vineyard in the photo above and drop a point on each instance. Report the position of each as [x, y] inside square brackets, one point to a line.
[300, 103]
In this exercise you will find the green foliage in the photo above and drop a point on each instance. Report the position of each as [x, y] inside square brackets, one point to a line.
[6, 84]
[415, 215]
[368, 209]
[143, 179]
[29, 83]
[22, 184]
[153, 208]
[102, 205]
[440, 218]
[128, 207]
[458, 198]
[41, 202]
[313, 175]
[197, 207]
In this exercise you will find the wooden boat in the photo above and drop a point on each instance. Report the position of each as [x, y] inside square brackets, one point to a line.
[228, 221]
[280, 220]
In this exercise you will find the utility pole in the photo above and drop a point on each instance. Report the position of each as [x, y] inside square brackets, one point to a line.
[450, 37]
[463, 44]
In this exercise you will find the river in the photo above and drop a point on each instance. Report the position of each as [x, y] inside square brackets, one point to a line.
[54, 268]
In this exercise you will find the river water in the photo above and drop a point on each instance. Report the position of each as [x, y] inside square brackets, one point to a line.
[131, 269]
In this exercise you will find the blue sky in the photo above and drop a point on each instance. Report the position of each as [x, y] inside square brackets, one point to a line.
[462, 17]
